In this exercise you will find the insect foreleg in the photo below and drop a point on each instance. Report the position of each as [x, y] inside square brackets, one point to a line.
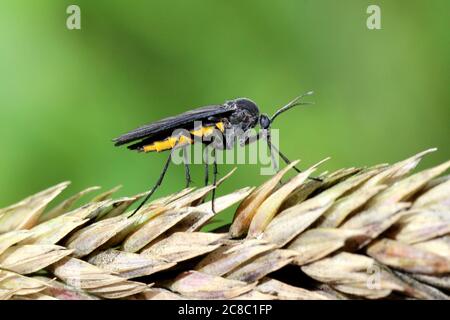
[250, 139]
[272, 155]
[286, 160]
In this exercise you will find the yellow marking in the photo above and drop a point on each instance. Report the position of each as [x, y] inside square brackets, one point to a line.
[220, 126]
[198, 132]
[184, 140]
[170, 142]
[203, 131]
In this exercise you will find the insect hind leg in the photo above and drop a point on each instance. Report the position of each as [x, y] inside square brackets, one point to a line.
[187, 171]
[158, 183]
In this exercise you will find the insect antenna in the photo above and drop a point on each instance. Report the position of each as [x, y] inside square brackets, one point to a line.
[292, 104]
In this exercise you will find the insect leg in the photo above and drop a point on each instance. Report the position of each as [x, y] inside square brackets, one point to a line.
[206, 167]
[287, 161]
[187, 171]
[254, 138]
[158, 183]
[272, 156]
[214, 179]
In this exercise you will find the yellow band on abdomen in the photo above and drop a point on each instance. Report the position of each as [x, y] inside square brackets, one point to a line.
[169, 143]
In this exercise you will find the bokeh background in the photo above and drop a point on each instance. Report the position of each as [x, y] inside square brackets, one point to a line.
[381, 95]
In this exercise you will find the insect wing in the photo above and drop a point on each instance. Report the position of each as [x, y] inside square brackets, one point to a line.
[167, 125]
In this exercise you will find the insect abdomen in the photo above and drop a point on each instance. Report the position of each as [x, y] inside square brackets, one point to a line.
[181, 140]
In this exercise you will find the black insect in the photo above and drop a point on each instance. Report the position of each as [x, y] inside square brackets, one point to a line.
[237, 116]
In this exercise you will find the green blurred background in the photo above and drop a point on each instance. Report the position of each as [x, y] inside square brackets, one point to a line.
[381, 95]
